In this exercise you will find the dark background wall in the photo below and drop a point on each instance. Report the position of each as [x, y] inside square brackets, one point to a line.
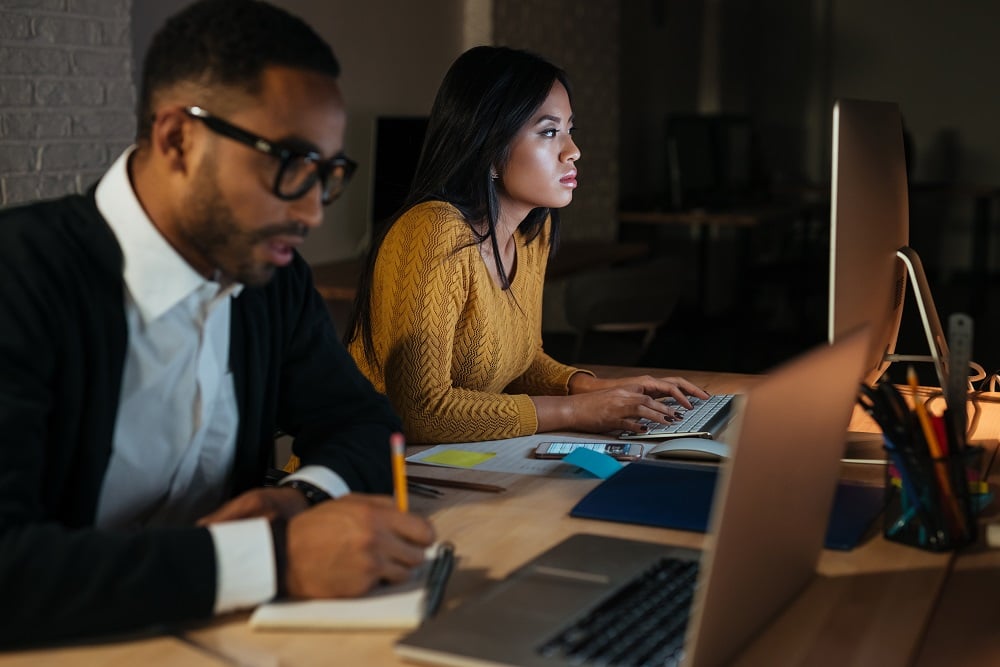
[67, 70]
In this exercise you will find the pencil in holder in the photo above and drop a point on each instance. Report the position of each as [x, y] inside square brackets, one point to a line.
[929, 499]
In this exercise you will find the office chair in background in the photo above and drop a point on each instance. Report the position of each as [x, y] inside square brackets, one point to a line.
[616, 312]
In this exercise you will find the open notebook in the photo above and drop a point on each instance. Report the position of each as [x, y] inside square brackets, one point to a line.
[768, 522]
[401, 606]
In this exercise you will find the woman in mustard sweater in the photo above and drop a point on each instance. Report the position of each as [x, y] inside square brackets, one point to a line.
[447, 321]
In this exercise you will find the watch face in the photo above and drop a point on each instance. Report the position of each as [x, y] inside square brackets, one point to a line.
[313, 494]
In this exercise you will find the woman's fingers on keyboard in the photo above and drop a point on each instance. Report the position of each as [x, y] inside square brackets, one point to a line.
[673, 387]
[658, 411]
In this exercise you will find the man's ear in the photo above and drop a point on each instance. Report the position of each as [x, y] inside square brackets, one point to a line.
[171, 138]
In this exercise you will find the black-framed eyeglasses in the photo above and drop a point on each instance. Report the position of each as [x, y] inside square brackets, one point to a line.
[298, 171]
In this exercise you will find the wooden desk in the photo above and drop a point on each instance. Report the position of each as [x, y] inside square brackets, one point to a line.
[338, 281]
[152, 652]
[867, 606]
[963, 628]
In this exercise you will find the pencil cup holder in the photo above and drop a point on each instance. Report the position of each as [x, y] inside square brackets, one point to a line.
[929, 500]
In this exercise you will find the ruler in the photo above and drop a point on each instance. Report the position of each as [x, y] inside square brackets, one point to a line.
[959, 354]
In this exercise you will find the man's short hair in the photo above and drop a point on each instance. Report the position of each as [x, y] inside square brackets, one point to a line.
[228, 43]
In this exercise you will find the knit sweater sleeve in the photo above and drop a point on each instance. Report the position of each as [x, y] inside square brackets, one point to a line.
[420, 293]
[545, 377]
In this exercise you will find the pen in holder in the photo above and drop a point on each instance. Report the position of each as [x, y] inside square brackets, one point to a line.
[928, 499]
[931, 473]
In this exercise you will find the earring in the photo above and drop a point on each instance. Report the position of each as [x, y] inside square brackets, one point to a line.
[494, 175]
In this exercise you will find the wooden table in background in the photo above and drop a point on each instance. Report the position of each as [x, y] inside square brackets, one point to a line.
[702, 222]
[338, 281]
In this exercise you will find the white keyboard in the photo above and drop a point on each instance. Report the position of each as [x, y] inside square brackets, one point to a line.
[705, 419]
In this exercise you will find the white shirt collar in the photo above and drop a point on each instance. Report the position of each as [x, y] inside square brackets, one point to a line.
[157, 277]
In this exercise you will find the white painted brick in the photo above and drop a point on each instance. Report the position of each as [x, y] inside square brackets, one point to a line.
[66, 94]
[62, 93]
[14, 27]
[85, 179]
[116, 33]
[61, 156]
[36, 125]
[104, 123]
[111, 8]
[17, 159]
[44, 5]
[102, 63]
[15, 93]
[67, 31]
[23, 189]
[120, 94]
[17, 60]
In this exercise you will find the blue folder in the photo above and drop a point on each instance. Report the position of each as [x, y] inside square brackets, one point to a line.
[678, 495]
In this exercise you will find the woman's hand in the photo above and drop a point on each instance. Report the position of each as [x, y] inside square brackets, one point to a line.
[678, 388]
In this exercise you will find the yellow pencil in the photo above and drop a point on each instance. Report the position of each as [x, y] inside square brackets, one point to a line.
[940, 468]
[398, 447]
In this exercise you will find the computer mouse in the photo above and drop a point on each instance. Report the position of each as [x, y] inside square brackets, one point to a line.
[703, 449]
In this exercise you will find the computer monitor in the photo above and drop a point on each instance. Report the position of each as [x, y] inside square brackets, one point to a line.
[870, 258]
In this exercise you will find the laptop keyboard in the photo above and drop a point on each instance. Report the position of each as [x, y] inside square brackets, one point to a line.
[643, 623]
[705, 416]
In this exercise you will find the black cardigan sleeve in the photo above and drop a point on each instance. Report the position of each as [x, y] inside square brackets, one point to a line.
[62, 340]
[299, 378]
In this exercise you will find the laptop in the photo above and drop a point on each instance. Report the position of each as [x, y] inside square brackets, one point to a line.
[766, 533]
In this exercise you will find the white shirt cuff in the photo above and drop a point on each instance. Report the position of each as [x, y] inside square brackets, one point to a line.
[322, 477]
[244, 561]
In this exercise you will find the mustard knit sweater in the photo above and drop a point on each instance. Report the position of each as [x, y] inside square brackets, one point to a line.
[459, 356]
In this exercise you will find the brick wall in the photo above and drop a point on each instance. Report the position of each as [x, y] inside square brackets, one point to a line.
[66, 94]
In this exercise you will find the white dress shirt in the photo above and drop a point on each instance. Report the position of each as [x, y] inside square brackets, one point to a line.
[175, 434]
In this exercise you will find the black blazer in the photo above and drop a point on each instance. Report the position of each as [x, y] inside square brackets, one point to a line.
[63, 338]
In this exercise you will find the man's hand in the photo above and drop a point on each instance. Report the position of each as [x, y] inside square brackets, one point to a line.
[270, 503]
[345, 547]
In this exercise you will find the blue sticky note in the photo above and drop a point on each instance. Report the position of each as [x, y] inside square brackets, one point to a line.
[597, 464]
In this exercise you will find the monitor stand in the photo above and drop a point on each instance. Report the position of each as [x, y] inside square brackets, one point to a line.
[864, 447]
[933, 330]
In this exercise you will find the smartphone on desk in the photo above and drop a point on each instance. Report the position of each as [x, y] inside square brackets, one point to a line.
[623, 451]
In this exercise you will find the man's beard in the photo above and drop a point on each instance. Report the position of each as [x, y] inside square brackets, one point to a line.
[212, 230]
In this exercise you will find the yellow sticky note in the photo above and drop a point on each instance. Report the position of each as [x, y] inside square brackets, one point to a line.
[457, 457]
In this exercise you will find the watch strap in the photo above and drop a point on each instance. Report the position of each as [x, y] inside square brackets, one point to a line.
[313, 493]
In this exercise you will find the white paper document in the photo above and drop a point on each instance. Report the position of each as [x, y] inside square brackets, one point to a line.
[511, 455]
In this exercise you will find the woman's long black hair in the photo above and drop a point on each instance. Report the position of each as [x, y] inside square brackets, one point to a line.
[487, 96]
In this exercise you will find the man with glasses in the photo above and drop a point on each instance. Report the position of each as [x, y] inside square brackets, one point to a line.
[158, 331]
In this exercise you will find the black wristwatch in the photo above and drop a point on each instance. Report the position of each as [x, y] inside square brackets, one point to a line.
[313, 493]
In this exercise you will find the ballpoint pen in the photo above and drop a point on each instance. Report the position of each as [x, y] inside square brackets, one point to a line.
[437, 578]
[423, 490]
